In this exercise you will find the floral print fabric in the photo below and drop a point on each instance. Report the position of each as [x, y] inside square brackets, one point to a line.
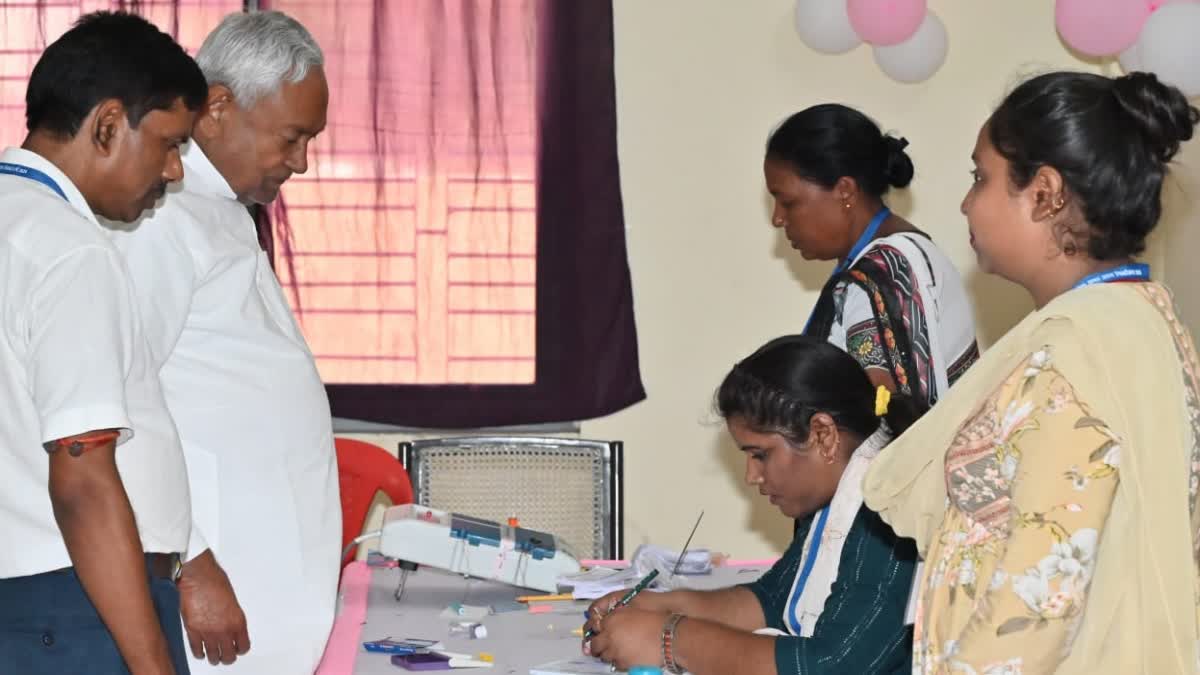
[1030, 477]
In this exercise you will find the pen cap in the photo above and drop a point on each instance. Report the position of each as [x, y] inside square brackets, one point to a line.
[645, 670]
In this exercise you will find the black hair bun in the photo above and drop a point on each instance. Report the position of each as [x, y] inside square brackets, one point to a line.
[899, 168]
[1161, 112]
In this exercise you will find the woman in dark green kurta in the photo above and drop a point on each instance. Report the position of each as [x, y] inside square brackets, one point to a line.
[809, 421]
[862, 628]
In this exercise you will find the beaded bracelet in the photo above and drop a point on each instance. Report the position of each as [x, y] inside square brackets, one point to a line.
[668, 645]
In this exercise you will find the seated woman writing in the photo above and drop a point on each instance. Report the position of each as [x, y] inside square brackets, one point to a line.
[809, 422]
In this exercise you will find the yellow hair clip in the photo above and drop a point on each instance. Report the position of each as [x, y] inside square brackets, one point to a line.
[883, 396]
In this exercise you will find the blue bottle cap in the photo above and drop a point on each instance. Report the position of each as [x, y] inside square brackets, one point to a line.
[645, 670]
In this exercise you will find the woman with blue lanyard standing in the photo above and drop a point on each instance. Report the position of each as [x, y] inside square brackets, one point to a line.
[1054, 491]
[894, 301]
[809, 422]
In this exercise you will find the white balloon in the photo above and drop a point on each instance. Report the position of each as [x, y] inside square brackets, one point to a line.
[1169, 48]
[918, 57]
[1130, 59]
[823, 25]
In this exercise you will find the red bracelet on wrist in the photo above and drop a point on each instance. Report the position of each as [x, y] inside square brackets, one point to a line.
[668, 645]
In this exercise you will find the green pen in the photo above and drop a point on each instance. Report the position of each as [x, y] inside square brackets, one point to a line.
[628, 597]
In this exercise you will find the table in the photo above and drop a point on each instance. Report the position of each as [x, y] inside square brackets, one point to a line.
[518, 640]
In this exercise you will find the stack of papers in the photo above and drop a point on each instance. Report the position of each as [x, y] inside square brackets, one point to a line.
[695, 561]
[600, 581]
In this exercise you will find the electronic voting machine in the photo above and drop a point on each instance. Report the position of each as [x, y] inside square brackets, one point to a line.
[475, 547]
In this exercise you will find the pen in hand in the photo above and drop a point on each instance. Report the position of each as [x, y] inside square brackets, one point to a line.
[628, 597]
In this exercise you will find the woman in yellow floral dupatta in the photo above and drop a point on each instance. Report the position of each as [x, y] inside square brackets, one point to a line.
[1052, 493]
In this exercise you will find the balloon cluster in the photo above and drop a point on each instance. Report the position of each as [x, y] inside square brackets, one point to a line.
[909, 42]
[1157, 36]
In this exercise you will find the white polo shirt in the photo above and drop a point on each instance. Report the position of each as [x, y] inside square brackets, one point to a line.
[73, 359]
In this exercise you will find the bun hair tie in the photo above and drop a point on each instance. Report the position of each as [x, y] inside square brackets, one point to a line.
[883, 396]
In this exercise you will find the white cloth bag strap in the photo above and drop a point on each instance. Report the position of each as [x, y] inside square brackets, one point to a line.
[843, 509]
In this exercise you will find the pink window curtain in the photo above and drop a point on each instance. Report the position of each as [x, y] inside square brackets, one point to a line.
[408, 250]
[28, 26]
[448, 266]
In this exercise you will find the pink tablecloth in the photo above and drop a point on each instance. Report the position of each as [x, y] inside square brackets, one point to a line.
[342, 648]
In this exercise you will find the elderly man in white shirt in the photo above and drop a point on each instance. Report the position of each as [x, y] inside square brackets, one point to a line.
[94, 509]
[238, 376]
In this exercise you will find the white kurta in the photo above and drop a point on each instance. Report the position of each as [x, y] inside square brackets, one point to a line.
[244, 390]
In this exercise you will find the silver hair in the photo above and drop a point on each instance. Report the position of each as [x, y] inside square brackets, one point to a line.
[253, 53]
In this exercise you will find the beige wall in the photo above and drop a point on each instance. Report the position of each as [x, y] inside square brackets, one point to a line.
[699, 85]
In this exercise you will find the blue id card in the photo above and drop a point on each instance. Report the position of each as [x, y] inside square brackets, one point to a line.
[407, 646]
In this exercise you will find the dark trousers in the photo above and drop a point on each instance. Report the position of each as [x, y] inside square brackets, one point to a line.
[48, 626]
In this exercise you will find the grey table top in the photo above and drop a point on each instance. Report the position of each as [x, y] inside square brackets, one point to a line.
[517, 640]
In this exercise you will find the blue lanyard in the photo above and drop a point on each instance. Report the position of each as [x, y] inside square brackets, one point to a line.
[33, 175]
[864, 240]
[1126, 272]
[807, 569]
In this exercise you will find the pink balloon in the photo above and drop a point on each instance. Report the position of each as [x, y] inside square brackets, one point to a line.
[885, 22]
[1101, 28]
[1155, 4]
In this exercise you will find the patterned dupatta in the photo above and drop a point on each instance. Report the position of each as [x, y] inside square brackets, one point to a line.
[887, 277]
[1143, 603]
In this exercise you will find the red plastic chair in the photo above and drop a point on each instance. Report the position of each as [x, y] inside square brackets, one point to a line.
[363, 470]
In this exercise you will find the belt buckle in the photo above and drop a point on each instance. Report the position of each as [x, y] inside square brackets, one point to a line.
[176, 567]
